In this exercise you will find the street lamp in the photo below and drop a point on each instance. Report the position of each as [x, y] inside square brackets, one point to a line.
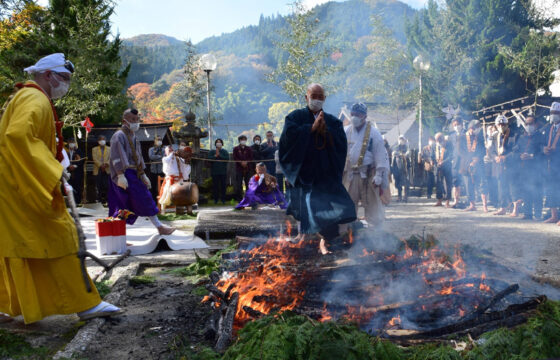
[208, 63]
[421, 65]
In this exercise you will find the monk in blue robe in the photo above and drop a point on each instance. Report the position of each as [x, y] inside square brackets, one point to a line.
[312, 153]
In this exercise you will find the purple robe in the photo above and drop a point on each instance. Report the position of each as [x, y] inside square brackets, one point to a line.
[136, 198]
[259, 194]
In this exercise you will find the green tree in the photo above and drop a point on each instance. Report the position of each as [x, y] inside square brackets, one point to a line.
[191, 90]
[306, 54]
[534, 57]
[81, 29]
[388, 68]
[463, 39]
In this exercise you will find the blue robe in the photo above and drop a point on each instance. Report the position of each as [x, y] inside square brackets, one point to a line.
[313, 165]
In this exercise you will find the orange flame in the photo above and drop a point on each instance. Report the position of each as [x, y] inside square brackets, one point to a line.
[288, 228]
[325, 314]
[394, 321]
[267, 284]
[446, 290]
[483, 286]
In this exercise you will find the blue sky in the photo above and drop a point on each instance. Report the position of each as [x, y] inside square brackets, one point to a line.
[196, 19]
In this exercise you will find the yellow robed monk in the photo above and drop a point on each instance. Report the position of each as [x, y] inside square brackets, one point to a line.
[39, 271]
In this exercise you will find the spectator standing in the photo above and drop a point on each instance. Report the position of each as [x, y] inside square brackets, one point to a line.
[552, 155]
[155, 153]
[243, 155]
[269, 148]
[76, 169]
[218, 171]
[101, 155]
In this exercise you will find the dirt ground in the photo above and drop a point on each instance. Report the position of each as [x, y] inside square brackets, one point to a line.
[163, 318]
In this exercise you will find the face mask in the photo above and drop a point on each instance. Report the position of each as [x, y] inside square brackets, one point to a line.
[458, 129]
[134, 127]
[531, 129]
[257, 142]
[60, 90]
[501, 129]
[555, 118]
[315, 105]
[102, 142]
[402, 142]
[157, 143]
[72, 146]
[430, 143]
[219, 145]
[357, 121]
[242, 142]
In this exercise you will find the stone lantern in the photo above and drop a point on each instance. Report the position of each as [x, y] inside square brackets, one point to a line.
[191, 135]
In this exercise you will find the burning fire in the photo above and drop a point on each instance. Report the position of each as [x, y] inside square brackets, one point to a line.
[273, 277]
[267, 284]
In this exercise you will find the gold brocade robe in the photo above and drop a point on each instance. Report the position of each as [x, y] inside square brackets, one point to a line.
[34, 222]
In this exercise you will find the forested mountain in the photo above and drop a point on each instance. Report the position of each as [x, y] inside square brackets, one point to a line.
[242, 95]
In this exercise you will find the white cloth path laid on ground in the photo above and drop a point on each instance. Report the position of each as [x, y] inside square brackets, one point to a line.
[142, 236]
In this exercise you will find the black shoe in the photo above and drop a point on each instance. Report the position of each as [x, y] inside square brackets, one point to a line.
[429, 196]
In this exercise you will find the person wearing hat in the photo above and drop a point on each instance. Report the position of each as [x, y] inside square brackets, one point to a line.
[366, 174]
[529, 156]
[472, 162]
[502, 154]
[40, 273]
[401, 168]
[551, 152]
[312, 153]
[76, 168]
[129, 188]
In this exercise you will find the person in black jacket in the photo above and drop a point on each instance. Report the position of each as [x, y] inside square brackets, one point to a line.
[218, 171]
[530, 159]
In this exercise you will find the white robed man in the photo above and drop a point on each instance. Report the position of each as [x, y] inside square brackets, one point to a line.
[366, 174]
[40, 272]
[176, 171]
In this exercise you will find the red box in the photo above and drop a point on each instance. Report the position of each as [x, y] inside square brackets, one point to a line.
[119, 228]
[104, 228]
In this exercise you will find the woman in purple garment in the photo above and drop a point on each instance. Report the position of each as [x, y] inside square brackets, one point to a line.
[263, 189]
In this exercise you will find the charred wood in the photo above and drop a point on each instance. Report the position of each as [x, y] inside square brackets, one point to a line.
[492, 301]
[482, 319]
[214, 277]
[252, 312]
[225, 332]
[216, 292]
